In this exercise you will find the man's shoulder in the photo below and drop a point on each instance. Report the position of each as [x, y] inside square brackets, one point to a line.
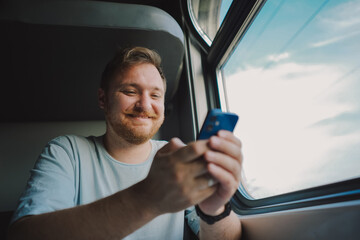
[75, 147]
[68, 138]
[72, 141]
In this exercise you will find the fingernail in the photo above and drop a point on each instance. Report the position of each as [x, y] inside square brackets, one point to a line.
[222, 133]
[177, 141]
[214, 140]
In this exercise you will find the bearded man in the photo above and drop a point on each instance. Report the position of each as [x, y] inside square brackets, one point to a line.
[124, 185]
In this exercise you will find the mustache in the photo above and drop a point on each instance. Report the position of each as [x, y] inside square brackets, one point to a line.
[141, 113]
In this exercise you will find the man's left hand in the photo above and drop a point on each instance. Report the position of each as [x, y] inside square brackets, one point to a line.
[224, 164]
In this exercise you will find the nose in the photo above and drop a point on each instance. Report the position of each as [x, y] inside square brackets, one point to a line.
[144, 102]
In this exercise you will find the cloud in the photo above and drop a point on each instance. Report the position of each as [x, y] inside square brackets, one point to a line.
[295, 126]
[341, 124]
[277, 58]
[335, 39]
[338, 23]
[343, 16]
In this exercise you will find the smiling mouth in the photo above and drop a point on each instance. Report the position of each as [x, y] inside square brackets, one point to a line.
[140, 116]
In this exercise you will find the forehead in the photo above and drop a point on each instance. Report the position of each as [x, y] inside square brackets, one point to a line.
[144, 75]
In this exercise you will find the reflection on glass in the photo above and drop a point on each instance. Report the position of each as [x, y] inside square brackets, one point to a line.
[209, 14]
[294, 81]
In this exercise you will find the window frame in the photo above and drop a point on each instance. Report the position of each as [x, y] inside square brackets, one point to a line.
[230, 33]
[330, 193]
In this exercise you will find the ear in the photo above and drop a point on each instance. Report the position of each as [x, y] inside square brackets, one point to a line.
[101, 98]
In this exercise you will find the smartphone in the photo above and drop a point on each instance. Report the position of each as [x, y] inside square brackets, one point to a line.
[217, 120]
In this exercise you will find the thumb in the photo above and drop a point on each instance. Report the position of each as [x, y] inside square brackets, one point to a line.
[173, 145]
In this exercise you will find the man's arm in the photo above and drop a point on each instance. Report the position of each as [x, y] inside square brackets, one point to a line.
[175, 182]
[226, 228]
[113, 217]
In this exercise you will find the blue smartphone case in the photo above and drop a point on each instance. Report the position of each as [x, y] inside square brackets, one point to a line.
[217, 120]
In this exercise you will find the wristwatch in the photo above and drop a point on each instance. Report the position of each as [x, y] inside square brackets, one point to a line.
[213, 219]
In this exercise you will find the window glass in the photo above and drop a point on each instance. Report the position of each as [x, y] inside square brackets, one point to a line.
[224, 7]
[208, 15]
[294, 81]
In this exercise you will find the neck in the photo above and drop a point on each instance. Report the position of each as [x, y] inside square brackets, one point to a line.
[124, 151]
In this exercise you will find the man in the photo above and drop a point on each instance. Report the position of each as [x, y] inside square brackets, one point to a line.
[124, 185]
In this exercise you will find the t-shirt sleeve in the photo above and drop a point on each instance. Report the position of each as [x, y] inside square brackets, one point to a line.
[192, 220]
[51, 185]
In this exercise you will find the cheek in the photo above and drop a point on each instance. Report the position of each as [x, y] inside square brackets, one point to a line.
[159, 108]
[121, 104]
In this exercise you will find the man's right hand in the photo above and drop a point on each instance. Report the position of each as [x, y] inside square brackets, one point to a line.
[178, 177]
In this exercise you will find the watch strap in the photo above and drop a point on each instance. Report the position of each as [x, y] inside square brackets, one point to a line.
[212, 219]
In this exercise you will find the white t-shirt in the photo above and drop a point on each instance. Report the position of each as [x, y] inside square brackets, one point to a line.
[74, 170]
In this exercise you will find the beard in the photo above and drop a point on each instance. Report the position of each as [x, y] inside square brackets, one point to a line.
[126, 127]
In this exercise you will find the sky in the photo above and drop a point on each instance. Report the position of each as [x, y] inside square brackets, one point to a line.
[294, 81]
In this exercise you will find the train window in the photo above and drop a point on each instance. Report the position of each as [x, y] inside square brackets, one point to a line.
[207, 16]
[294, 81]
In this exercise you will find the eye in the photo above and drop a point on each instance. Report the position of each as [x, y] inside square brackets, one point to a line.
[129, 92]
[156, 95]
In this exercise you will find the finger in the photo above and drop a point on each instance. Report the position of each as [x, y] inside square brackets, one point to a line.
[228, 184]
[205, 181]
[224, 161]
[229, 136]
[192, 151]
[225, 146]
[196, 168]
[173, 145]
[201, 194]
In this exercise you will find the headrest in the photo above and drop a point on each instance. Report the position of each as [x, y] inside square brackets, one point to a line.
[53, 54]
